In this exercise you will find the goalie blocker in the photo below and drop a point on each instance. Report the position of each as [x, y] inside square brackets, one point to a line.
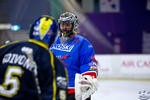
[85, 86]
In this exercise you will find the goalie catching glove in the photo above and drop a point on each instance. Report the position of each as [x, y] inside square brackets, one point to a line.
[84, 86]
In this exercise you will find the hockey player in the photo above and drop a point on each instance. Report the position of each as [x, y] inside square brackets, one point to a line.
[77, 55]
[28, 70]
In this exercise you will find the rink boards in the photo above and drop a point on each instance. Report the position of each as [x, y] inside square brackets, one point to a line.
[123, 77]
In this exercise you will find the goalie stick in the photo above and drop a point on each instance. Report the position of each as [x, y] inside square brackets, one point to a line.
[33, 68]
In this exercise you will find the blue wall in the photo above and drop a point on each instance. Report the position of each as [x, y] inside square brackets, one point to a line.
[127, 25]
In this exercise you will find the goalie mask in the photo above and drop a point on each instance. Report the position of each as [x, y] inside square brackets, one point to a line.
[68, 18]
[44, 29]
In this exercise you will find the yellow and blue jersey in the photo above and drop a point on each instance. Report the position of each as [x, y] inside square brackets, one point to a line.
[16, 81]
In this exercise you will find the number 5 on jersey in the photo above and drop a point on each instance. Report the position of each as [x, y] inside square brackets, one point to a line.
[11, 84]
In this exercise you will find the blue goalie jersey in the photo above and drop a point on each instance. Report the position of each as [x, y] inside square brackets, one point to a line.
[77, 55]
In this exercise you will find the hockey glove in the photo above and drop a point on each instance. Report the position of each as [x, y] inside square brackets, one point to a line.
[84, 86]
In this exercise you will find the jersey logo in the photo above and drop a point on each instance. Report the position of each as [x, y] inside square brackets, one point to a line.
[62, 58]
[62, 47]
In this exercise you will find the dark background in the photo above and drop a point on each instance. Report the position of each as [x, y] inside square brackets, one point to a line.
[128, 25]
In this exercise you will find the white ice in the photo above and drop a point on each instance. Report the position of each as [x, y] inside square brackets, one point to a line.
[120, 90]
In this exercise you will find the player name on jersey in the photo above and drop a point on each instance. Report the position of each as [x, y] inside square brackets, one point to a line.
[17, 59]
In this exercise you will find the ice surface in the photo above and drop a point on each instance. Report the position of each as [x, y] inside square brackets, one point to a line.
[121, 90]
